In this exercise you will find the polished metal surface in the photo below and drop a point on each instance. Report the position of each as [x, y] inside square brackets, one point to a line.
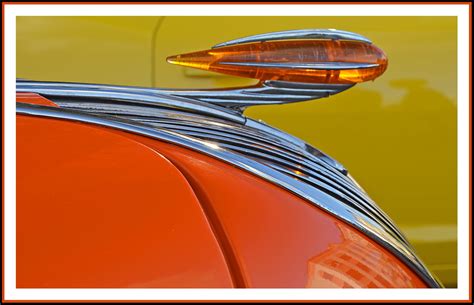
[119, 98]
[250, 145]
[223, 103]
[265, 93]
[307, 66]
[297, 34]
[144, 96]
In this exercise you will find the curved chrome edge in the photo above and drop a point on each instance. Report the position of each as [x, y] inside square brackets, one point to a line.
[226, 103]
[150, 96]
[264, 93]
[297, 34]
[301, 65]
[314, 196]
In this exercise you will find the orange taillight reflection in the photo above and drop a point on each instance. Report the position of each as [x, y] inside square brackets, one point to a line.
[312, 61]
[358, 263]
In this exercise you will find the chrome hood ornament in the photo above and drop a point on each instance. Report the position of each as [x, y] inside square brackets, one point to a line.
[291, 66]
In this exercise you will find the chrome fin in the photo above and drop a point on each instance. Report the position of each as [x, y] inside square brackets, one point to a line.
[297, 34]
[265, 93]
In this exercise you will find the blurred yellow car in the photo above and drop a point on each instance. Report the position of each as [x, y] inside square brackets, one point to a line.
[397, 135]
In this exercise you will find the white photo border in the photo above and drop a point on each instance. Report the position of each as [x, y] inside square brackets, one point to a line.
[11, 10]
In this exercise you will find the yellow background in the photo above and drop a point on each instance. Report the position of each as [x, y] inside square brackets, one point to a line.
[396, 135]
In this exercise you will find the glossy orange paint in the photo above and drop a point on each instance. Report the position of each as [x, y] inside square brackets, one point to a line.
[96, 209]
[33, 98]
[280, 240]
[85, 223]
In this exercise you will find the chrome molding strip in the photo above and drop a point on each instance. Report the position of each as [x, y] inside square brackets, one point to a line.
[297, 34]
[355, 217]
[302, 65]
[158, 99]
[227, 103]
[134, 95]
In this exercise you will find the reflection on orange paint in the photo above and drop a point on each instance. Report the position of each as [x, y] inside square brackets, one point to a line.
[226, 60]
[356, 263]
[98, 207]
[98, 210]
[33, 98]
[274, 234]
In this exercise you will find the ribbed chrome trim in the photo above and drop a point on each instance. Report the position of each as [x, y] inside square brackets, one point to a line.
[302, 65]
[122, 100]
[134, 95]
[297, 34]
[265, 93]
[251, 146]
[222, 103]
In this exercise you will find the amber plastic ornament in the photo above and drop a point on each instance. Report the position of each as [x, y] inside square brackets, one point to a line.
[310, 61]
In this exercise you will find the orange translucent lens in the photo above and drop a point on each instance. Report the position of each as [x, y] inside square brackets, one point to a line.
[289, 60]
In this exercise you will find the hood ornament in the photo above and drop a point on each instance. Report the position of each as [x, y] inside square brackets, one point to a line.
[291, 66]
